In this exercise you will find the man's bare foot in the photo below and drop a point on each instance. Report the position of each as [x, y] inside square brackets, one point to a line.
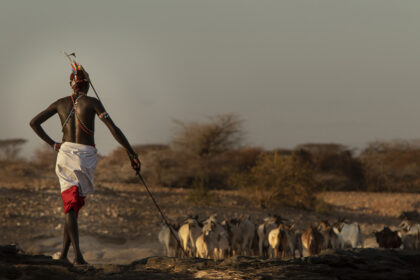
[63, 258]
[79, 261]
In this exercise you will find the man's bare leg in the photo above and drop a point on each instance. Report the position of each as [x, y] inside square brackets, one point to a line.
[73, 234]
[66, 243]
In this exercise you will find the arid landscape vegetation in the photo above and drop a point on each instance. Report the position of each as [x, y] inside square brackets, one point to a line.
[207, 169]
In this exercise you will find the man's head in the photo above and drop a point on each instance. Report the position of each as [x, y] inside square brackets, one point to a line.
[79, 82]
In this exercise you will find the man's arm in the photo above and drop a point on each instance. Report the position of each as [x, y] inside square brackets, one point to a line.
[118, 134]
[39, 119]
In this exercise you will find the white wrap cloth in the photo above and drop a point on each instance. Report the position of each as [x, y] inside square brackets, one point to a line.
[75, 166]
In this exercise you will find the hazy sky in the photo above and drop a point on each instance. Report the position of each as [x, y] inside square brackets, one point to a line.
[295, 71]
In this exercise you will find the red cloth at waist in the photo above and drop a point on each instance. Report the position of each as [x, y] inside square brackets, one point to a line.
[72, 200]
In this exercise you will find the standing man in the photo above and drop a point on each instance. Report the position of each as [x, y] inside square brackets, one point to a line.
[77, 155]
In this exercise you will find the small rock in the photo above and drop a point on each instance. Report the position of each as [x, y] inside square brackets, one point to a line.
[56, 255]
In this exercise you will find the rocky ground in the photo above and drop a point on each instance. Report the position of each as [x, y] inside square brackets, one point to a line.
[119, 225]
[343, 264]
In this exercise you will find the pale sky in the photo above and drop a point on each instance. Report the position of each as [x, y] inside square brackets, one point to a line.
[296, 71]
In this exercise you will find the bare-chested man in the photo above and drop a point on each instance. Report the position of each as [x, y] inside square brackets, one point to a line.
[77, 155]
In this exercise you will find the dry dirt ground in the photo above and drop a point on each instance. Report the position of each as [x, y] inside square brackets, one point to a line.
[119, 225]
[343, 264]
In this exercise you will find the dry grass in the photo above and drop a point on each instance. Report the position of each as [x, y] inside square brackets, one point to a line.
[372, 203]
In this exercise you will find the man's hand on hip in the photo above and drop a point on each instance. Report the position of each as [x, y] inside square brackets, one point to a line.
[56, 146]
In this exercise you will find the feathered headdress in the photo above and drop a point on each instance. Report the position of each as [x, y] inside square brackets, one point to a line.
[79, 74]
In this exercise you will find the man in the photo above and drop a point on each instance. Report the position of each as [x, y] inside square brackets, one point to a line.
[77, 155]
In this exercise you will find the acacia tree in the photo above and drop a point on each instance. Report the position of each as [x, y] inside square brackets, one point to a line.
[219, 134]
[10, 148]
[204, 150]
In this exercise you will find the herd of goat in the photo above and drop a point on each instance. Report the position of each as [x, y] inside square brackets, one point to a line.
[274, 237]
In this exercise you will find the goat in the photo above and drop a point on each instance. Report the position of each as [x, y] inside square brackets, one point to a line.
[168, 241]
[207, 242]
[351, 234]
[274, 240]
[242, 234]
[263, 230]
[332, 240]
[312, 240]
[188, 234]
[409, 227]
[410, 235]
[387, 238]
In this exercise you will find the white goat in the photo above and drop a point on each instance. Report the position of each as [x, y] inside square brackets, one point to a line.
[188, 234]
[263, 230]
[222, 247]
[242, 235]
[206, 243]
[283, 238]
[350, 235]
[274, 237]
[410, 227]
[216, 237]
[168, 241]
[410, 235]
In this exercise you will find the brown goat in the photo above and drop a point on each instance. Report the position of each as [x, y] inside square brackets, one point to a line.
[312, 240]
[387, 238]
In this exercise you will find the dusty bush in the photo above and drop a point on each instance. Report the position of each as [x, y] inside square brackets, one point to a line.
[219, 168]
[45, 158]
[208, 149]
[18, 168]
[392, 166]
[279, 180]
[116, 167]
[245, 158]
[175, 169]
[160, 166]
[322, 207]
[335, 166]
[10, 148]
[165, 167]
[200, 193]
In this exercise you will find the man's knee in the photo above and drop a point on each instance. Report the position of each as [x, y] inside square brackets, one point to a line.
[71, 215]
